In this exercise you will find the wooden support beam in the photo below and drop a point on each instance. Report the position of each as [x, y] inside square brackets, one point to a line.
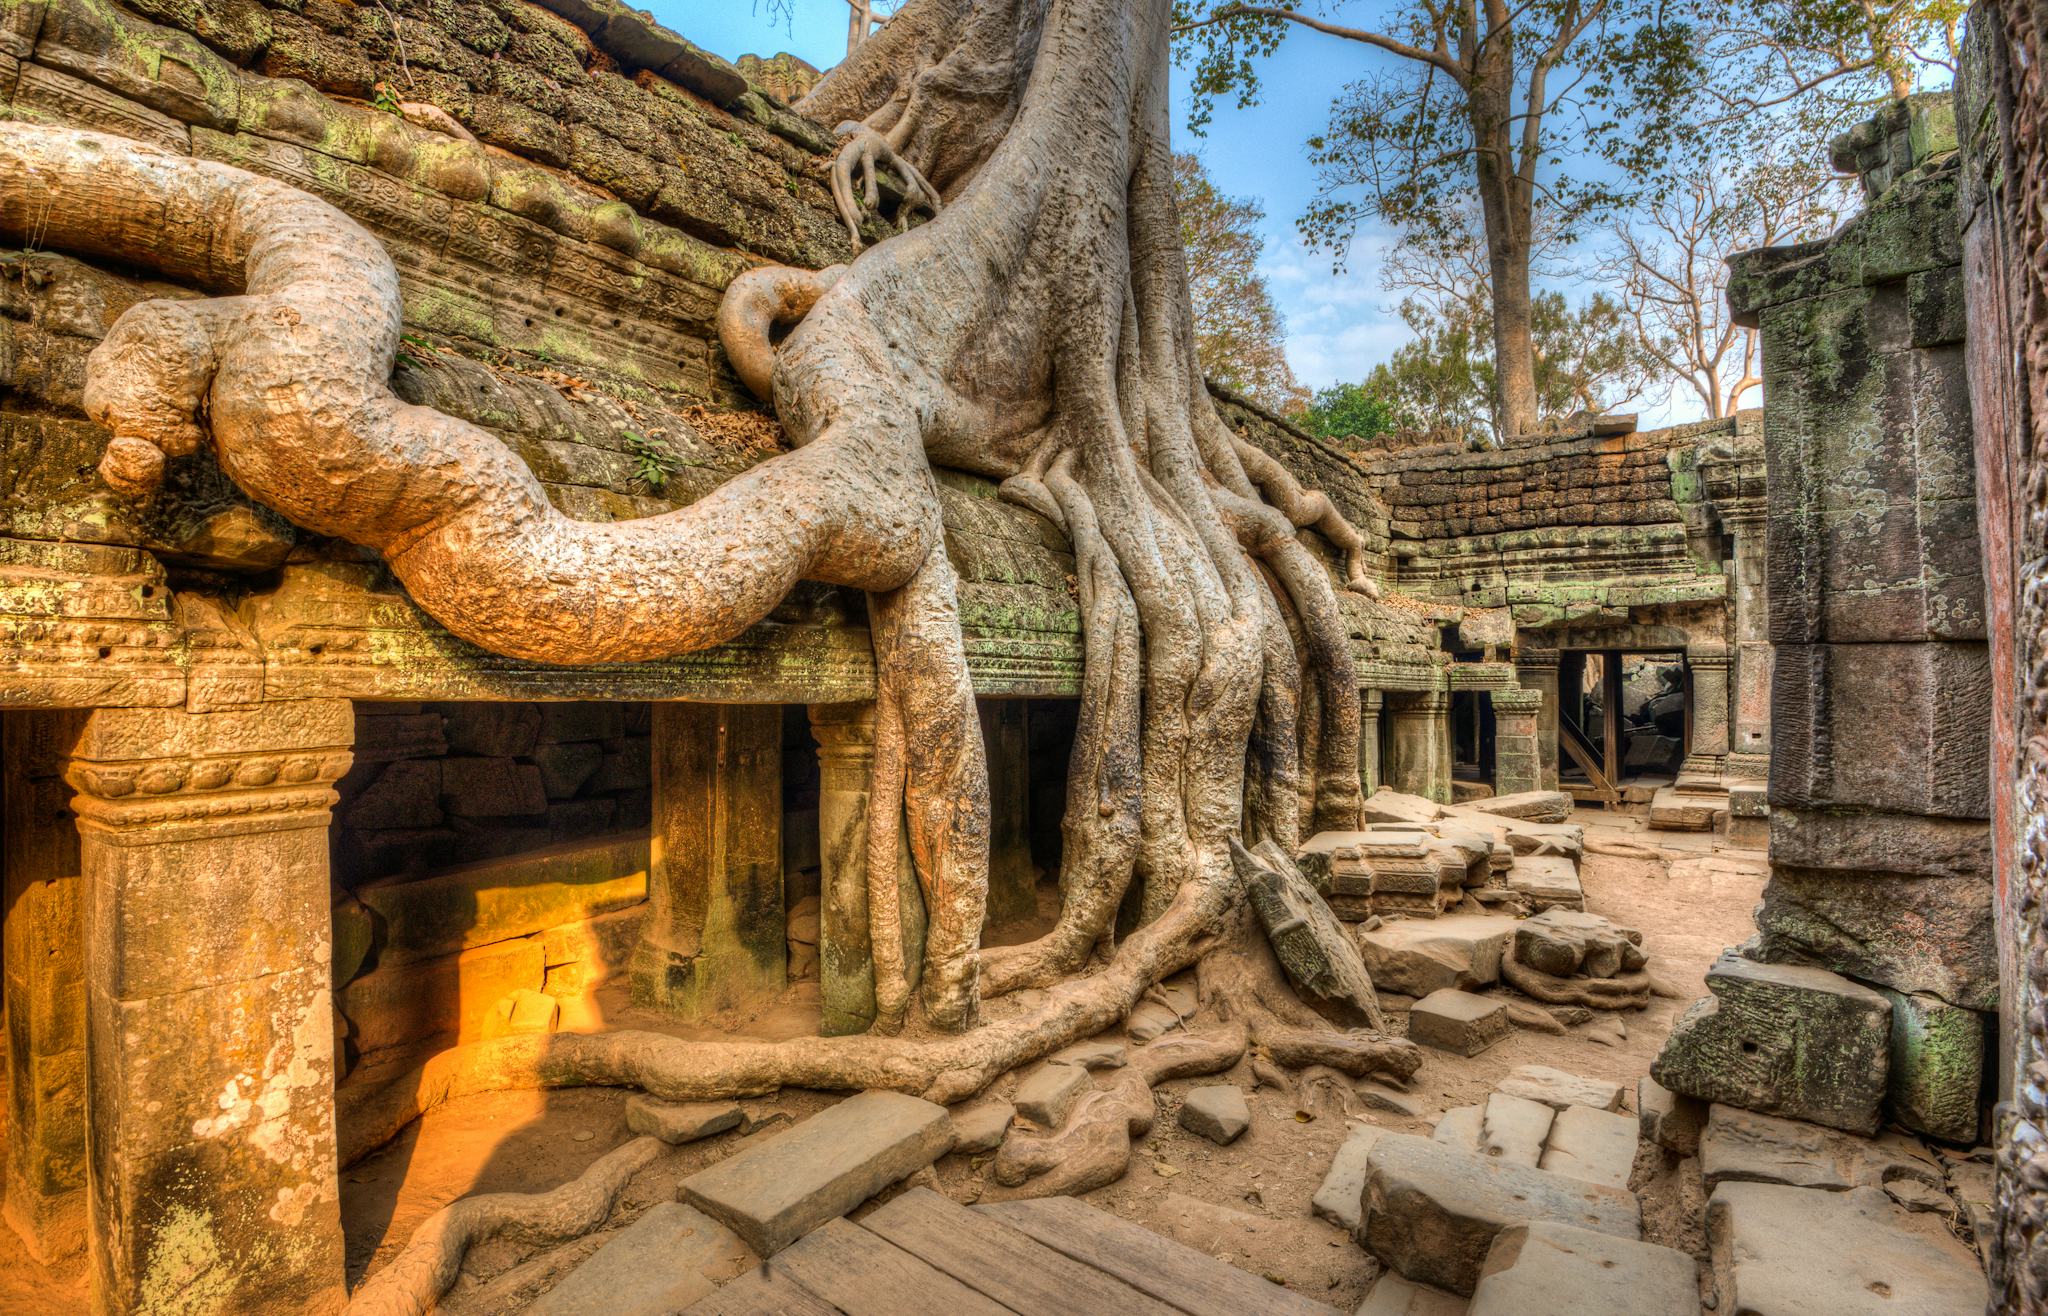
[1610, 716]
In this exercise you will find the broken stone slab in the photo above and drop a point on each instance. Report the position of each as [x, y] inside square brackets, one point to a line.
[1459, 1128]
[1779, 1251]
[1395, 1296]
[677, 1122]
[1559, 1090]
[1378, 1096]
[1568, 943]
[773, 1193]
[1675, 810]
[1431, 1212]
[1535, 806]
[1049, 1092]
[982, 1126]
[1667, 1119]
[1513, 1128]
[1595, 1145]
[1217, 1113]
[1101, 1053]
[1149, 1021]
[671, 1257]
[1459, 1022]
[1337, 1200]
[1785, 1040]
[1387, 805]
[1547, 881]
[1937, 1066]
[1418, 956]
[1543, 1269]
[1742, 1146]
[1318, 955]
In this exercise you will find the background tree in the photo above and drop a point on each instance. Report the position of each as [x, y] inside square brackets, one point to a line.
[1829, 60]
[1493, 99]
[1344, 412]
[1240, 335]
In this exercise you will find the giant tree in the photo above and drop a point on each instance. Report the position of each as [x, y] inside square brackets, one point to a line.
[1037, 331]
[1549, 99]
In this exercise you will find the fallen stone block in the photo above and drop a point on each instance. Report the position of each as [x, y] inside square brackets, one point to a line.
[1667, 1119]
[1513, 1128]
[1317, 954]
[1149, 1021]
[1395, 1296]
[1937, 1067]
[1568, 943]
[1545, 1269]
[1459, 1022]
[1049, 1092]
[1559, 1090]
[1675, 810]
[1101, 1053]
[1548, 881]
[1217, 1113]
[1432, 1213]
[774, 1192]
[1418, 956]
[1742, 1146]
[1343, 1187]
[1595, 1145]
[1535, 806]
[1387, 805]
[523, 1011]
[1933, 935]
[678, 1122]
[1784, 1040]
[1780, 1251]
[982, 1126]
[669, 1258]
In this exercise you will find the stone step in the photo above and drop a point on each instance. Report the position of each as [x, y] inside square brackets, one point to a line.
[1432, 1212]
[669, 1258]
[775, 1192]
[1549, 1269]
[1594, 1145]
[1676, 810]
[1779, 1251]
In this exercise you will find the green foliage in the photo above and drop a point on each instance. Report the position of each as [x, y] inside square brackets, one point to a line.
[653, 462]
[1351, 411]
[1240, 336]
[381, 98]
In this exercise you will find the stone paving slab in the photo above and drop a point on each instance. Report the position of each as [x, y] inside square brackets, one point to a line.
[1779, 1251]
[774, 1193]
[1548, 1269]
[669, 1258]
[1595, 1145]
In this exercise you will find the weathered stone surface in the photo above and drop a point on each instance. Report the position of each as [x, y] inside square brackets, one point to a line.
[1536, 806]
[1418, 956]
[1867, 841]
[1937, 1067]
[1217, 1112]
[1741, 1146]
[1559, 1090]
[1049, 1092]
[1313, 948]
[1513, 1128]
[1343, 1186]
[410, 1002]
[1568, 943]
[1780, 1251]
[1913, 934]
[678, 1122]
[1667, 1119]
[982, 1126]
[1784, 1040]
[1595, 1145]
[1431, 1212]
[492, 788]
[1900, 727]
[524, 1011]
[1459, 1022]
[1149, 1021]
[1549, 881]
[501, 899]
[1100, 1053]
[1543, 1267]
[1459, 1128]
[1387, 805]
[669, 1258]
[1672, 810]
[1394, 1296]
[777, 1190]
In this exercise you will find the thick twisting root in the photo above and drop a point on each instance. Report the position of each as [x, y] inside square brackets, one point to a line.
[863, 152]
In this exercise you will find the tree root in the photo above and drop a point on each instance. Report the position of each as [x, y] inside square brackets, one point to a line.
[1627, 991]
[863, 151]
[416, 1279]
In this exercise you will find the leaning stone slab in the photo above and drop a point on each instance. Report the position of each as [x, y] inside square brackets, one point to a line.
[1049, 1092]
[1556, 1268]
[1418, 956]
[1431, 1212]
[773, 1193]
[1387, 805]
[1785, 1040]
[1780, 1251]
[1559, 1090]
[676, 1122]
[1318, 955]
[1937, 1067]
[1337, 1201]
[1459, 1022]
[661, 1263]
[1536, 806]
[1595, 1145]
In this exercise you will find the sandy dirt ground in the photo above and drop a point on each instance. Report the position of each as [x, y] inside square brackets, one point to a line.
[1247, 1203]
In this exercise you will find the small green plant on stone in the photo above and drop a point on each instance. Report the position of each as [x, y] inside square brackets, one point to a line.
[406, 358]
[382, 99]
[653, 463]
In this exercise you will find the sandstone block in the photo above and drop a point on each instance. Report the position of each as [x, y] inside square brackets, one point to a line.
[1937, 1067]
[492, 788]
[491, 730]
[669, 1258]
[1535, 806]
[1549, 881]
[1513, 1129]
[1673, 810]
[1595, 1145]
[1394, 1296]
[1149, 1021]
[1343, 1186]
[405, 794]
[1459, 1022]
[403, 1003]
[1667, 1119]
[1546, 1269]
[1934, 935]
[1571, 943]
[1418, 956]
[1741, 1146]
[501, 899]
[1101, 1053]
[1318, 955]
[565, 767]
[1049, 1092]
[588, 720]
[1387, 805]
[1217, 1113]
[982, 1126]
[678, 1122]
[1780, 1251]
[1459, 1128]
[1559, 1090]
[777, 1190]
[1432, 1213]
[1784, 1040]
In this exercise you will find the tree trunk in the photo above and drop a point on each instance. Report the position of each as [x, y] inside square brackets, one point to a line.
[1505, 210]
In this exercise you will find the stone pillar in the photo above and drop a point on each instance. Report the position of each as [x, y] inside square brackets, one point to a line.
[1419, 752]
[1517, 763]
[1536, 669]
[44, 985]
[210, 1023]
[1012, 882]
[1709, 749]
[716, 934]
[1370, 702]
[1749, 743]
[846, 753]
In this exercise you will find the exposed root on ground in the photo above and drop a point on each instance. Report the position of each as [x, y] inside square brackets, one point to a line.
[1626, 991]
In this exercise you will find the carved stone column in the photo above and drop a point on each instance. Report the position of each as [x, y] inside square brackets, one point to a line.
[1536, 669]
[716, 934]
[44, 983]
[1517, 763]
[1709, 750]
[1419, 749]
[1012, 894]
[1749, 742]
[1370, 703]
[210, 1023]
[846, 752]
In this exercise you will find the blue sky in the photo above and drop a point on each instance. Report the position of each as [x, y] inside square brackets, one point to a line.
[1338, 325]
